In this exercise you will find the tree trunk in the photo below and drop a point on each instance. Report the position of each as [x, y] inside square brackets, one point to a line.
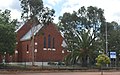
[84, 61]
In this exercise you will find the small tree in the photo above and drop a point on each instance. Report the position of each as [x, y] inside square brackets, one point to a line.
[102, 60]
[7, 33]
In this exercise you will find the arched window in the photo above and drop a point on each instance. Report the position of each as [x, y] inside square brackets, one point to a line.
[27, 47]
[49, 41]
[53, 43]
[44, 42]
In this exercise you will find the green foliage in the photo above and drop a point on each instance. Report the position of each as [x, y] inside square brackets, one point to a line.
[35, 9]
[102, 59]
[31, 7]
[113, 30]
[87, 47]
[84, 25]
[114, 40]
[7, 33]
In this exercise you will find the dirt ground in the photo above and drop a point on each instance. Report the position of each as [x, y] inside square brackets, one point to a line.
[67, 73]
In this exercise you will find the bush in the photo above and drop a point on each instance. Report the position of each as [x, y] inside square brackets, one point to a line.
[61, 63]
[102, 59]
[52, 63]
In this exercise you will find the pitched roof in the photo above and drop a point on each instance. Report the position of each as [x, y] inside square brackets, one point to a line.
[34, 29]
[20, 26]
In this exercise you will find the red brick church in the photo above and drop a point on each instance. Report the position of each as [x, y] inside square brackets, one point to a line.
[48, 43]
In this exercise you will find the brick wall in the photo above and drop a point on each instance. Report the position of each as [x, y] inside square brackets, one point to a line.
[42, 54]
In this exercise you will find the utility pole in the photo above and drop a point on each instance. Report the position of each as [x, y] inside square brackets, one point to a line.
[106, 47]
[106, 38]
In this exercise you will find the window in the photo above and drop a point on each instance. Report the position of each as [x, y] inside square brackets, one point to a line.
[53, 43]
[44, 42]
[27, 47]
[49, 41]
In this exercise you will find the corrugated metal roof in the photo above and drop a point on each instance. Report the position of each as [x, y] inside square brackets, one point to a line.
[34, 29]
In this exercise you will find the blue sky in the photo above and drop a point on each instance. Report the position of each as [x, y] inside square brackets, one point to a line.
[111, 7]
[56, 5]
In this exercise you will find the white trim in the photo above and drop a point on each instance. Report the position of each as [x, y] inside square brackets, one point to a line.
[16, 52]
[30, 63]
[49, 49]
[35, 51]
[36, 43]
[27, 52]
[63, 51]
[45, 49]
[21, 25]
[53, 49]
[68, 51]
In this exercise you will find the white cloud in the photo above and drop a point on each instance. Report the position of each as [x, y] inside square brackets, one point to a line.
[15, 14]
[55, 19]
[5, 3]
[49, 6]
[53, 2]
[111, 7]
[12, 5]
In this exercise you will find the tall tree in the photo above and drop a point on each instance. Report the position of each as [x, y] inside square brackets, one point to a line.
[35, 8]
[7, 33]
[84, 25]
[113, 35]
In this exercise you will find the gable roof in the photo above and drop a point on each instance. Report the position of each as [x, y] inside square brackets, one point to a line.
[36, 28]
[20, 24]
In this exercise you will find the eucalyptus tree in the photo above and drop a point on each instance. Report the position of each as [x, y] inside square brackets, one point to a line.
[81, 31]
[35, 11]
[32, 9]
[113, 29]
